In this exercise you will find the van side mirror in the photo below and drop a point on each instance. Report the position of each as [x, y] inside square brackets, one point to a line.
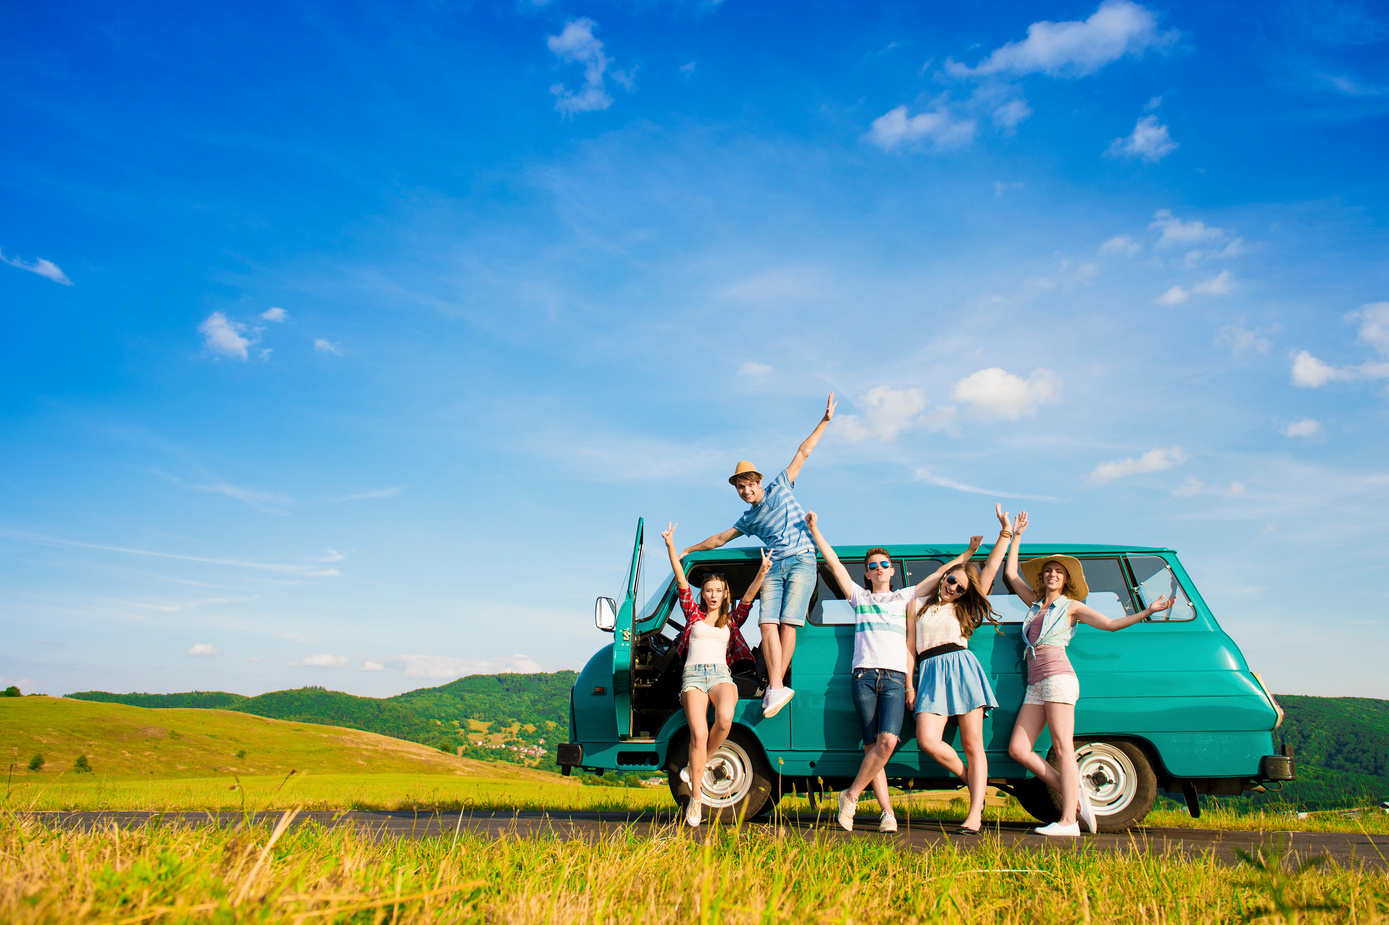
[605, 614]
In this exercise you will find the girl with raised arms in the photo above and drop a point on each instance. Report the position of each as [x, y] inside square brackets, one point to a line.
[713, 646]
[882, 686]
[1054, 589]
[950, 681]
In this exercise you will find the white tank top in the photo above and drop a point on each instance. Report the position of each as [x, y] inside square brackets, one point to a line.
[708, 644]
[937, 626]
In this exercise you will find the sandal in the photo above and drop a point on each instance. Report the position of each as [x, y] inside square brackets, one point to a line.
[966, 830]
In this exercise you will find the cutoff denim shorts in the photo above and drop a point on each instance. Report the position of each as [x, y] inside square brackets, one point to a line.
[704, 677]
[880, 696]
[786, 590]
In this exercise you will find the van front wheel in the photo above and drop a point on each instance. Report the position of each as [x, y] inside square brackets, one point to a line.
[737, 779]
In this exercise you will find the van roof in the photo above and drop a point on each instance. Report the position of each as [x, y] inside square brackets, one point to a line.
[944, 550]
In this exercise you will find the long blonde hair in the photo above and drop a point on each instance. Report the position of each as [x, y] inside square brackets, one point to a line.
[726, 607]
[971, 608]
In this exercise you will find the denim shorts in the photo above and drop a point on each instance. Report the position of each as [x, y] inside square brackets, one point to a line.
[704, 677]
[786, 590]
[880, 696]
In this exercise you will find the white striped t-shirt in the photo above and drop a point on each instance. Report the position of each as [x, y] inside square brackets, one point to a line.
[880, 629]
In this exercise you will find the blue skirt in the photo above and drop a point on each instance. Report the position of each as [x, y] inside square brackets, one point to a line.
[953, 684]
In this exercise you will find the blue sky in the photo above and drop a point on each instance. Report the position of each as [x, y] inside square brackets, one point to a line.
[345, 345]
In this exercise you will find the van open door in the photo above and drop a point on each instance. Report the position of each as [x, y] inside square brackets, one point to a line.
[624, 639]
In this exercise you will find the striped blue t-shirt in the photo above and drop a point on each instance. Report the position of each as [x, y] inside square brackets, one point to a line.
[778, 520]
[880, 629]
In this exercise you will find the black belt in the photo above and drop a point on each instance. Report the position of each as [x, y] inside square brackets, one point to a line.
[941, 650]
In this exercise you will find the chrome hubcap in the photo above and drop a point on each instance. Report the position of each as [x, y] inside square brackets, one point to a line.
[727, 777]
[1108, 776]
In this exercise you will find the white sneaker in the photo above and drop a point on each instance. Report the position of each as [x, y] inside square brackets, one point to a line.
[887, 822]
[1087, 812]
[1056, 829]
[685, 774]
[693, 813]
[776, 699]
[847, 809]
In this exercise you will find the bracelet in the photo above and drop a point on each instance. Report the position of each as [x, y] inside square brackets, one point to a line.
[1005, 534]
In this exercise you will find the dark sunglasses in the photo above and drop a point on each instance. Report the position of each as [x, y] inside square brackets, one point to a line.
[874, 566]
[954, 582]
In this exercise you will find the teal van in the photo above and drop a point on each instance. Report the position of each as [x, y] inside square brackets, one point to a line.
[1166, 704]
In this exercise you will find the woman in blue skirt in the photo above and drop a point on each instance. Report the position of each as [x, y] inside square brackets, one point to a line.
[951, 682]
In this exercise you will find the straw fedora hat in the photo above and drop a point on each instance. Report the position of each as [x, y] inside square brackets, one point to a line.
[743, 468]
[1032, 571]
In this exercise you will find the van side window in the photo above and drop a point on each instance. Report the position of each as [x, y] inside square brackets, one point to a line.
[1109, 592]
[828, 607]
[1156, 579]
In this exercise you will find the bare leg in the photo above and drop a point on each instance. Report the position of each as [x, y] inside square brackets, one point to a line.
[787, 648]
[725, 698]
[880, 792]
[875, 758]
[929, 729]
[1032, 719]
[1061, 717]
[697, 716]
[977, 767]
[771, 653]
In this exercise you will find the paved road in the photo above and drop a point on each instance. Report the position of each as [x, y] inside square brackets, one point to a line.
[1350, 850]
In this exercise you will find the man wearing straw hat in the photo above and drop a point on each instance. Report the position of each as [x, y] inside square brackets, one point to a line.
[775, 517]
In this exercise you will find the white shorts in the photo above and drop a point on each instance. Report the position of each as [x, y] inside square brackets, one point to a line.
[1059, 688]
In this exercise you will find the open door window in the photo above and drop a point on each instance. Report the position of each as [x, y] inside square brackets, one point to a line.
[624, 638]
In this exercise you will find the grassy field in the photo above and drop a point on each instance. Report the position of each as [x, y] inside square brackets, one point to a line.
[271, 875]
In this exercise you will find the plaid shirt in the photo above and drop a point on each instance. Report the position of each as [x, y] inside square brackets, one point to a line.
[737, 646]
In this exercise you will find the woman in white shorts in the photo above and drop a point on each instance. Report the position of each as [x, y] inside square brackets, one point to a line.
[710, 647]
[1053, 590]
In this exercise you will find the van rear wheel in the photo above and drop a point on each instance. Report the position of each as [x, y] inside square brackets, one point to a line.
[1119, 781]
[737, 780]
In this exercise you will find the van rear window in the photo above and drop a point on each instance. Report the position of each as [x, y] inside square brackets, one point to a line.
[1109, 591]
[1156, 579]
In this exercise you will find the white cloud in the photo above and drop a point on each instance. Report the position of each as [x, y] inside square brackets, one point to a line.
[1241, 340]
[1155, 460]
[45, 268]
[1000, 187]
[887, 412]
[1174, 296]
[1149, 140]
[201, 649]
[277, 315]
[1216, 285]
[224, 337]
[1153, 103]
[1010, 114]
[370, 665]
[443, 666]
[1307, 427]
[265, 501]
[1177, 233]
[895, 128]
[1194, 486]
[1311, 373]
[372, 495]
[754, 369]
[323, 346]
[1120, 244]
[322, 661]
[1074, 49]
[926, 474]
[688, 69]
[577, 44]
[1374, 325]
[994, 393]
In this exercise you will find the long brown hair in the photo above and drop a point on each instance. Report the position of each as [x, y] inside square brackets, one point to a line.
[726, 607]
[971, 608]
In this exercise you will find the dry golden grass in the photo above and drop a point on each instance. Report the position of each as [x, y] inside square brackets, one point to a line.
[276, 875]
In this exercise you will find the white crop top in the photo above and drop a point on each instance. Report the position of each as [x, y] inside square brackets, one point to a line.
[937, 626]
[708, 644]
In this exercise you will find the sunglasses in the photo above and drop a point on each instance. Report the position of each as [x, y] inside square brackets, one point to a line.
[954, 582]
[874, 566]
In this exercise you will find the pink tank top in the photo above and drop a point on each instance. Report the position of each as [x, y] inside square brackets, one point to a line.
[1049, 660]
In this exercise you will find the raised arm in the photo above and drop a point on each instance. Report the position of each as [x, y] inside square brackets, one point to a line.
[808, 443]
[1015, 581]
[925, 584]
[713, 542]
[841, 574]
[750, 594]
[668, 534]
[1091, 617]
[990, 569]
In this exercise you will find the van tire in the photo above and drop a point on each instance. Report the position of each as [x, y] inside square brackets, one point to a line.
[742, 771]
[1122, 783]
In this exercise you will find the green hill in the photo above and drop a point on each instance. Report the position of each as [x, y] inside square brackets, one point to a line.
[126, 741]
[509, 714]
[1342, 749]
